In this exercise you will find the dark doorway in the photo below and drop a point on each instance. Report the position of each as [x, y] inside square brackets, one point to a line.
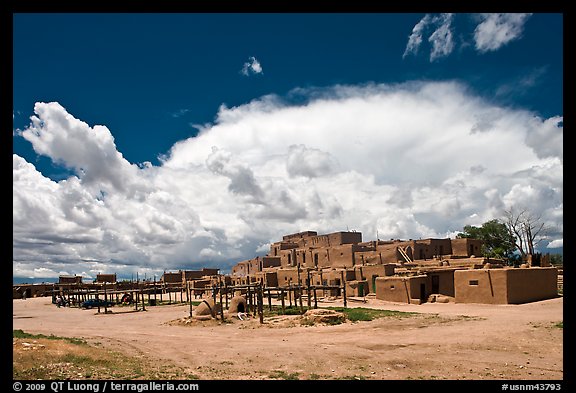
[241, 307]
[435, 284]
[422, 293]
[471, 250]
[316, 260]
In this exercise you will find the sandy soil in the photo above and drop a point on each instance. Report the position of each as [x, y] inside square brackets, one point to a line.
[444, 341]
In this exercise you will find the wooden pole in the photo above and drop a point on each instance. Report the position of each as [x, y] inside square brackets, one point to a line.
[282, 299]
[214, 290]
[189, 296]
[249, 300]
[315, 300]
[290, 293]
[269, 300]
[343, 287]
[260, 305]
[308, 290]
[221, 305]
[142, 293]
[226, 292]
[105, 300]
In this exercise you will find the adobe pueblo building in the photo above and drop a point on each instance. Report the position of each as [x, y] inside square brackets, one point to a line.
[406, 271]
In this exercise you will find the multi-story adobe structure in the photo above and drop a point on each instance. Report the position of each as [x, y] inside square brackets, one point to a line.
[396, 270]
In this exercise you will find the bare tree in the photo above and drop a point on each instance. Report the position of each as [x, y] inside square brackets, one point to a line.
[529, 230]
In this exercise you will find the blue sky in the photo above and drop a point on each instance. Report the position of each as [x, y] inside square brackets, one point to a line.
[166, 141]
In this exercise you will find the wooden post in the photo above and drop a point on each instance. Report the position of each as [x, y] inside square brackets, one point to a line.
[226, 291]
[189, 296]
[105, 300]
[142, 293]
[343, 287]
[169, 296]
[290, 292]
[300, 299]
[282, 299]
[315, 300]
[221, 305]
[260, 305]
[249, 300]
[135, 296]
[269, 300]
[308, 290]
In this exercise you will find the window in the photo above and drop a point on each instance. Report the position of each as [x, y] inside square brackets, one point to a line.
[473, 282]
[391, 286]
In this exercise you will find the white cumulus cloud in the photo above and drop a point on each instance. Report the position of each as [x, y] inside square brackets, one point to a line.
[419, 159]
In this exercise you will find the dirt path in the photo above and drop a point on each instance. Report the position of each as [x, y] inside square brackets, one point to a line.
[444, 341]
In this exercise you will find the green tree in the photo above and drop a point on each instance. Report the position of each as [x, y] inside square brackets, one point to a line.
[498, 241]
[556, 259]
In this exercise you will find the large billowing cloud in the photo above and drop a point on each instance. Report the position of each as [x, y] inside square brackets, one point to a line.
[412, 160]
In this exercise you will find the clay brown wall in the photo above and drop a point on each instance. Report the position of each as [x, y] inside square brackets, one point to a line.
[341, 256]
[400, 289]
[107, 278]
[289, 276]
[480, 286]
[70, 280]
[270, 262]
[532, 284]
[172, 277]
[392, 289]
[428, 248]
[461, 247]
[445, 282]
[370, 272]
[390, 252]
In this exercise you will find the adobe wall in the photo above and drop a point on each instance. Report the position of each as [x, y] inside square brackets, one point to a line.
[287, 276]
[392, 289]
[370, 272]
[270, 262]
[341, 256]
[172, 277]
[429, 248]
[466, 247]
[532, 284]
[299, 235]
[333, 239]
[480, 286]
[111, 278]
[192, 274]
[357, 288]
[401, 289]
[388, 252]
[445, 282]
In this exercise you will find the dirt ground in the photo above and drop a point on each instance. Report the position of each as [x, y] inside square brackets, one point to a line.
[443, 341]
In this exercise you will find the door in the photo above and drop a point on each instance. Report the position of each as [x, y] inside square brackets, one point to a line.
[435, 284]
[422, 293]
